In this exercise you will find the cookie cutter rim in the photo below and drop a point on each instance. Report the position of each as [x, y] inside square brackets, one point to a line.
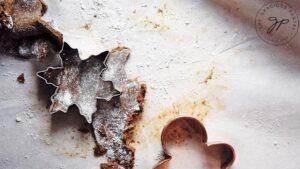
[231, 157]
[62, 66]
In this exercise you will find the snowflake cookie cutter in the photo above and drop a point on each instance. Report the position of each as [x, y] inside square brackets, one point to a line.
[78, 82]
[185, 135]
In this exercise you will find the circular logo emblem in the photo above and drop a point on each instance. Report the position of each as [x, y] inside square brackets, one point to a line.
[276, 23]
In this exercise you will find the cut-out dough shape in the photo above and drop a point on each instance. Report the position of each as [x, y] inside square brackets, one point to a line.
[20, 22]
[112, 122]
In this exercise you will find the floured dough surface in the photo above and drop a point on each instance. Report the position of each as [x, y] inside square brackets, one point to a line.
[113, 120]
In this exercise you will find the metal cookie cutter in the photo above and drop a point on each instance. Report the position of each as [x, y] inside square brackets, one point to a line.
[78, 82]
[184, 142]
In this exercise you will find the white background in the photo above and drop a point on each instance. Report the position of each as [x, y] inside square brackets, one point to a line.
[251, 101]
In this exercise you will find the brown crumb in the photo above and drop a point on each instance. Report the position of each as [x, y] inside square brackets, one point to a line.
[127, 136]
[141, 96]
[21, 78]
[160, 11]
[109, 165]
[99, 150]
[204, 102]
[209, 76]
[87, 26]
[102, 131]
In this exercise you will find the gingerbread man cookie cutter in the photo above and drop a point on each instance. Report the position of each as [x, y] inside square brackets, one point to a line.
[184, 142]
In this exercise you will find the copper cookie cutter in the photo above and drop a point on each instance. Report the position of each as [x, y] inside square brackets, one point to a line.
[185, 138]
